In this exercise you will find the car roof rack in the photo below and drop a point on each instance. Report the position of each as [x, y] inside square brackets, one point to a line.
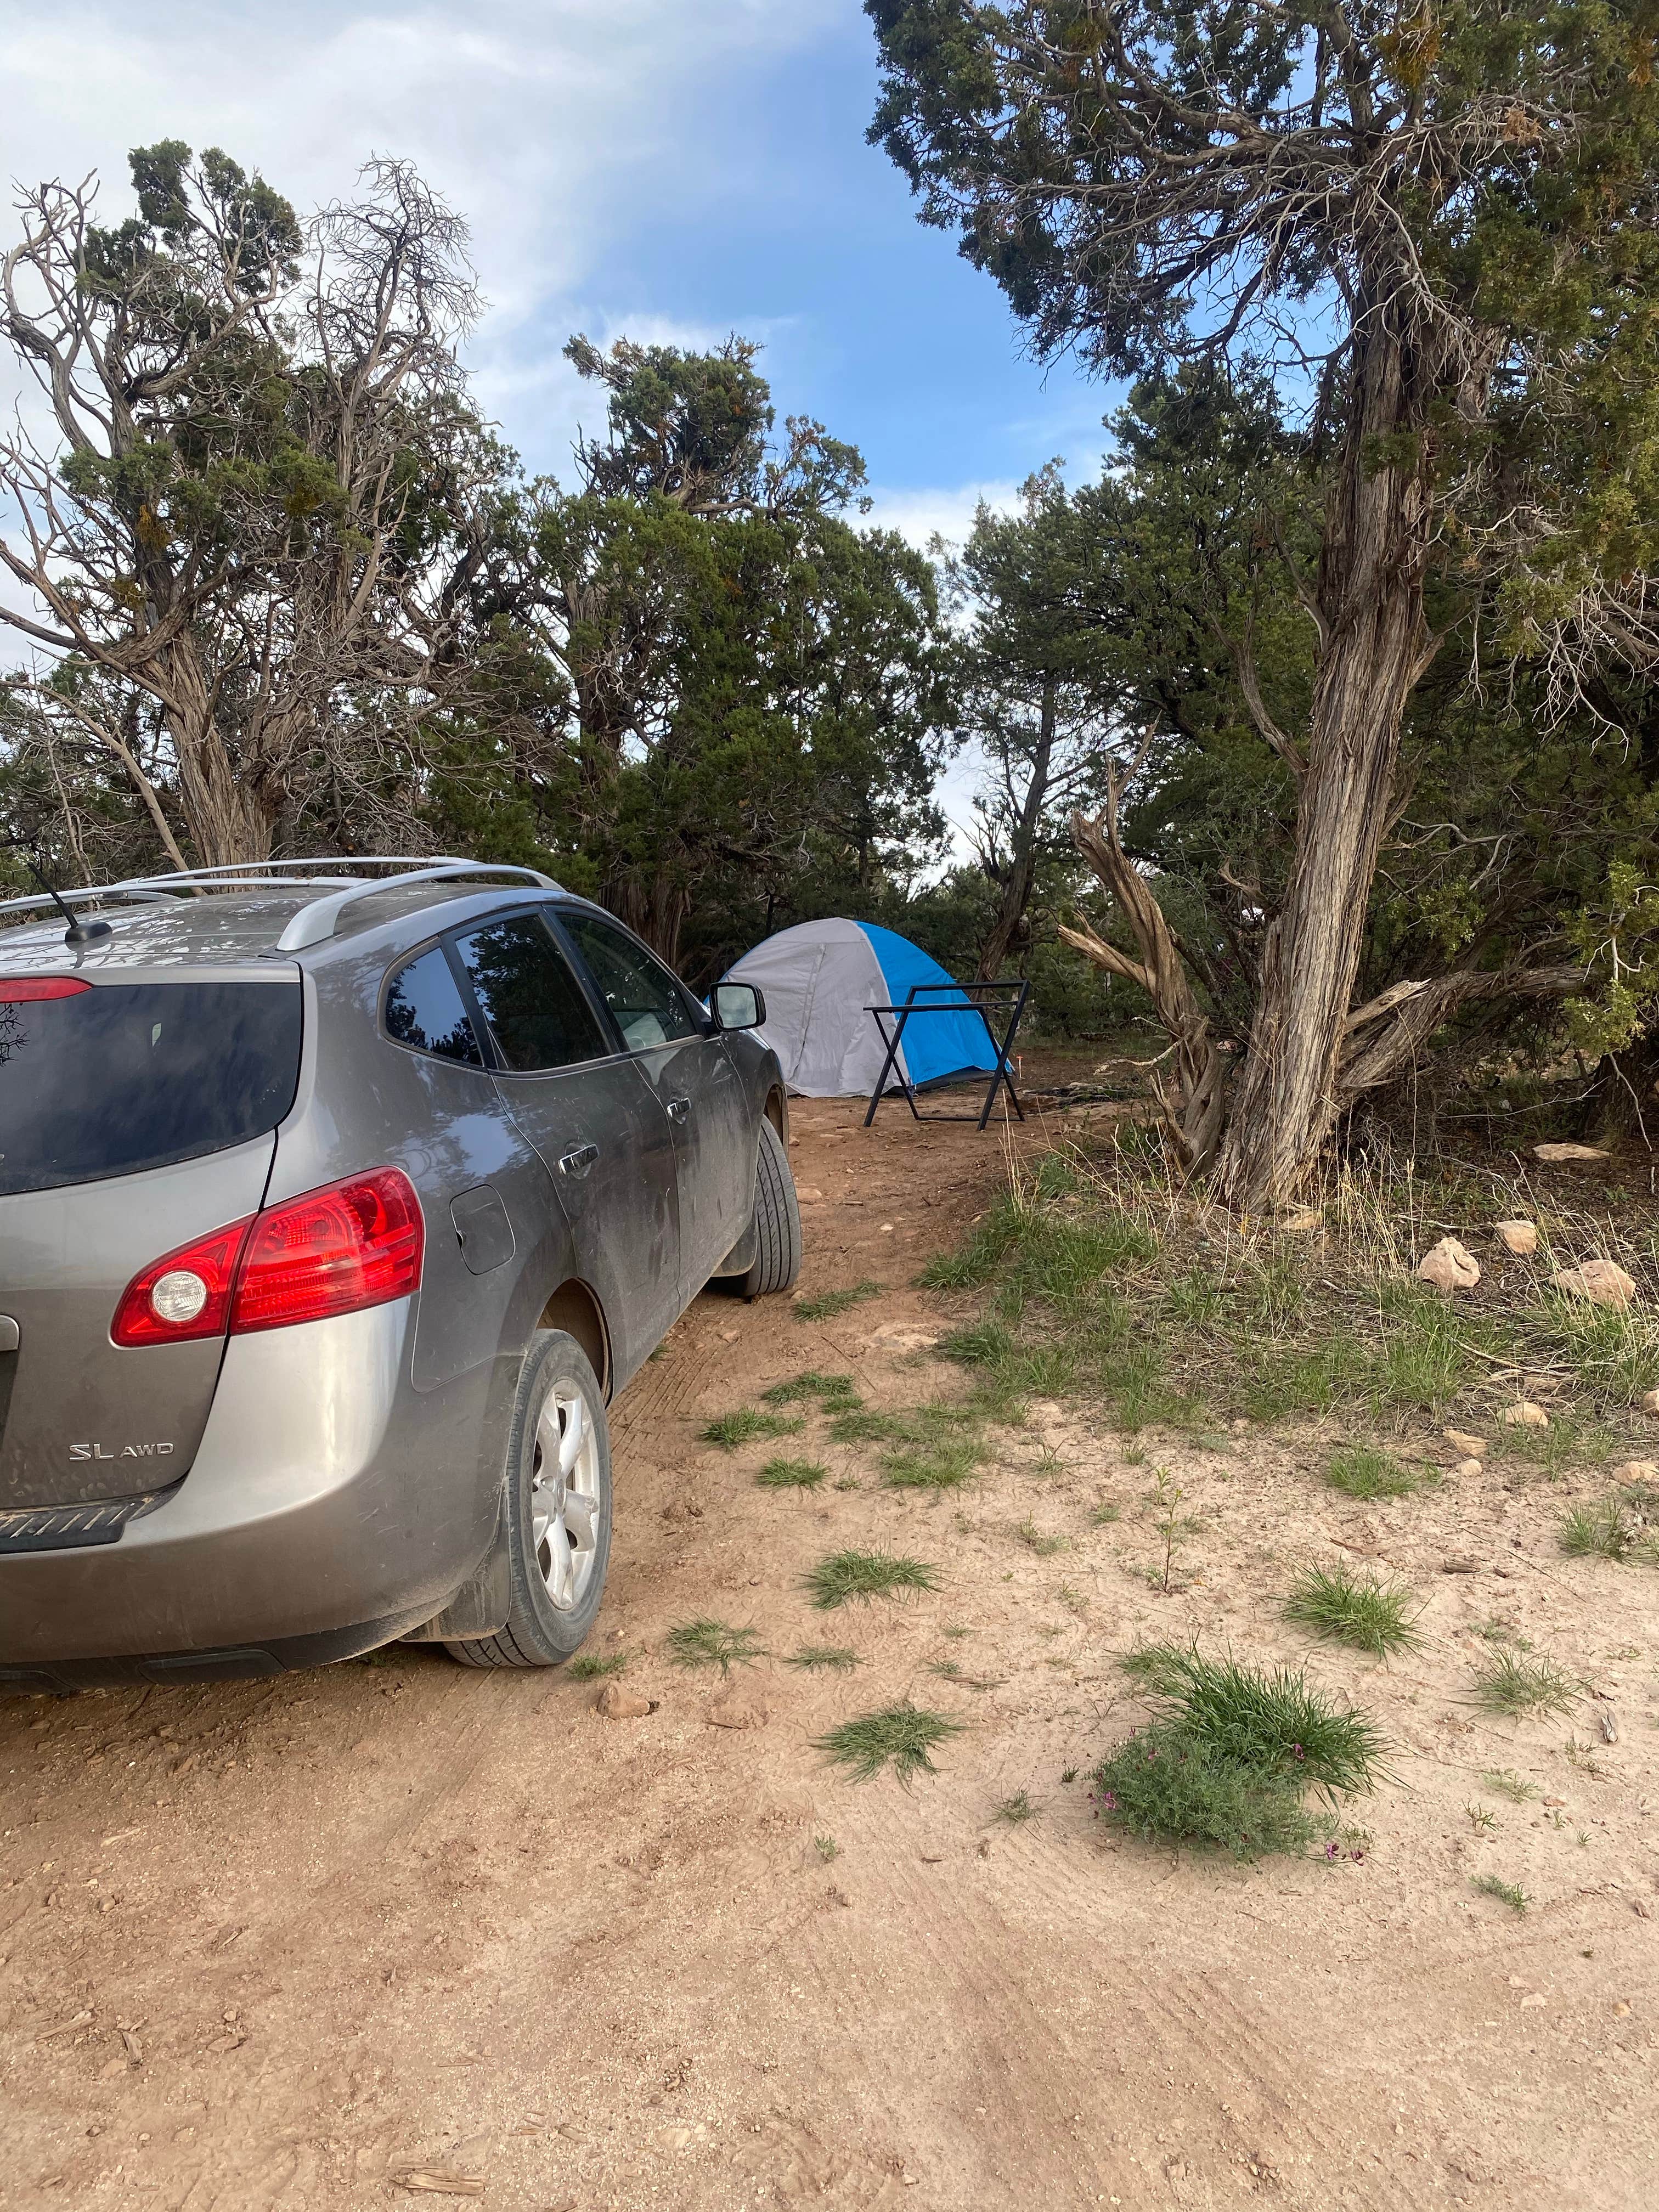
[315, 921]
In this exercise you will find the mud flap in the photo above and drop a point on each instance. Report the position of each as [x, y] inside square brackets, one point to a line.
[741, 1258]
[480, 1605]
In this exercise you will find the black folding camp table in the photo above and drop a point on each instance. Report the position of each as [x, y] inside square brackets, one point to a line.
[1008, 996]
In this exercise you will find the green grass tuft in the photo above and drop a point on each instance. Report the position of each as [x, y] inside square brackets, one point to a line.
[792, 1474]
[901, 1737]
[1508, 1784]
[1359, 1610]
[1507, 1892]
[1018, 1810]
[829, 1304]
[731, 1430]
[1612, 1530]
[848, 1575]
[935, 1463]
[1361, 1471]
[588, 1667]
[823, 1658]
[1227, 1762]
[1514, 1685]
[833, 1394]
[712, 1643]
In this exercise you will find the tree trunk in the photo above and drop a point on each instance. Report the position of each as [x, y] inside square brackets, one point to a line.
[1016, 891]
[1373, 648]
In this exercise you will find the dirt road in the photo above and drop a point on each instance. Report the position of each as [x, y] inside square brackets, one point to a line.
[270, 1945]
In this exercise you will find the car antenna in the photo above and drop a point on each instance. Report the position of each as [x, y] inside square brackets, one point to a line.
[77, 933]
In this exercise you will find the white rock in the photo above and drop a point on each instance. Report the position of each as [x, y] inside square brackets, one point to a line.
[1449, 1266]
[1468, 1469]
[1519, 1237]
[1650, 1401]
[1556, 1155]
[1603, 1282]
[1523, 1414]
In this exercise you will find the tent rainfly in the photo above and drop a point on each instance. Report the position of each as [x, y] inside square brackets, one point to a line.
[819, 977]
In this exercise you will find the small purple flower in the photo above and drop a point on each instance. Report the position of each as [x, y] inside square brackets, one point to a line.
[1297, 1749]
[1109, 1800]
[1333, 1851]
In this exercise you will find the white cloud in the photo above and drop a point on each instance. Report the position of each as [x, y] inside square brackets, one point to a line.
[553, 125]
[946, 511]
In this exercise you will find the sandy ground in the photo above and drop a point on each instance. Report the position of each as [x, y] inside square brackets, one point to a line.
[262, 1945]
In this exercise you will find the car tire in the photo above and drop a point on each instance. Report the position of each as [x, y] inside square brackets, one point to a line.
[557, 1510]
[777, 1221]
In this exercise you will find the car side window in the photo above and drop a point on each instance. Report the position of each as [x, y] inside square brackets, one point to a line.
[423, 1010]
[649, 1006]
[536, 1010]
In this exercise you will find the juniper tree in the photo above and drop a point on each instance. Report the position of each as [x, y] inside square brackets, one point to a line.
[1441, 217]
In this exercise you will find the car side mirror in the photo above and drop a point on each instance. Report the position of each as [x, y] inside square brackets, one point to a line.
[737, 1006]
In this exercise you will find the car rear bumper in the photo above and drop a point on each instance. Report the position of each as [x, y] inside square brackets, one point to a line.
[328, 1505]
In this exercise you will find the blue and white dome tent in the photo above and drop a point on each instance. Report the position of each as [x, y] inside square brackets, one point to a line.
[818, 978]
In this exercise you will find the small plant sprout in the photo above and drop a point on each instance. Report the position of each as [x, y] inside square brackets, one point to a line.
[1371, 1615]
[1068, 1774]
[823, 1659]
[848, 1575]
[829, 1305]
[1599, 1532]
[733, 1431]
[1481, 1820]
[1170, 1527]
[902, 1736]
[1517, 1685]
[792, 1474]
[712, 1643]
[1044, 1544]
[1072, 1600]
[827, 1848]
[1104, 1513]
[1505, 1782]
[1506, 1892]
[1018, 1810]
[589, 1667]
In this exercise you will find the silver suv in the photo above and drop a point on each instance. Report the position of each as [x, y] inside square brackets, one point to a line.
[333, 1211]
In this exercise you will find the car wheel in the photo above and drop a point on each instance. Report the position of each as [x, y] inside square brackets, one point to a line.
[558, 1511]
[777, 1221]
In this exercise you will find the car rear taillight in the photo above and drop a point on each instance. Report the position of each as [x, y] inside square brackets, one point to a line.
[29, 990]
[351, 1244]
[186, 1294]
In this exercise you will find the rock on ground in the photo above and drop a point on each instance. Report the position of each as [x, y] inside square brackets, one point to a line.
[1603, 1282]
[1523, 1414]
[1555, 1155]
[619, 1704]
[1449, 1266]
[1465, 1444]
[1636, 1471]
[1519, 1237]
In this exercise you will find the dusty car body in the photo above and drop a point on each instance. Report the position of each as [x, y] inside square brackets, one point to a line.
[301, 1184]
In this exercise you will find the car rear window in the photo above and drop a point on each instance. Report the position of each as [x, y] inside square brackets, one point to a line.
[122, 1076]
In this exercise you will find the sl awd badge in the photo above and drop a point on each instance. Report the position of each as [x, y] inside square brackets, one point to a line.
[124, 1451]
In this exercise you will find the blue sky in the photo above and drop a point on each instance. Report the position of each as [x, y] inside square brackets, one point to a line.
[670, 169]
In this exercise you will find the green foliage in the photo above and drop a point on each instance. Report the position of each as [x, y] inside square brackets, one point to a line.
[829, 1305]
[845, 1575]
[1520, 1686]
[793, 1474]
[1271, 1723]
[1169, 1787]
[589, 1667]
[707, 1643]
[832, 1393]
[902, 1736]
[1371, 1615]
[1506, 1892]
[823, 1658]
[733, 1431]
[1364, 1471]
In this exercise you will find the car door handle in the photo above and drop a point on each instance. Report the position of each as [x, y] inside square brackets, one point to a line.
[578, 1162]
[679, 1109]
